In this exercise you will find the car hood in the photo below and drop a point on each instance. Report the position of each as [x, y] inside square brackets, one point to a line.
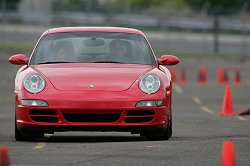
[105, 77]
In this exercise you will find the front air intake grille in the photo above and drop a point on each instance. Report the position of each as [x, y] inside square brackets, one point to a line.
[42, 112]
[138, 119]
[139, 116]
[44, 119]
[140, 113]
[91, 117]
[47, 116]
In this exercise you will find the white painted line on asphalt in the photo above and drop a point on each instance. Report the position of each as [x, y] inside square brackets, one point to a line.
[197, 100]
[39, 145]
[48, 135]
[207, 110]
[241, 118]
[157, 146]
[178, 89]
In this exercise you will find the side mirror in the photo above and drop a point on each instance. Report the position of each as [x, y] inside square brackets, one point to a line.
[168, 60]
[19, 59]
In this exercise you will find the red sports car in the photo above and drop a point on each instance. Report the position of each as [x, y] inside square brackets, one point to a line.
[93, 79]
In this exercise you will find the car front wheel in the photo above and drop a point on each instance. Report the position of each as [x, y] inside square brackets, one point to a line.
[164, 134]
[25, 136]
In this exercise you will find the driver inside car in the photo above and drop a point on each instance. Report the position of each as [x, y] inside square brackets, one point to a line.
[64, 51]
[120, 50]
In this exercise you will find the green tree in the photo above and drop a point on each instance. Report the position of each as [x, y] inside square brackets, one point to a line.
[148, 3]
[9, 4]
[218, 7]
[121, 6]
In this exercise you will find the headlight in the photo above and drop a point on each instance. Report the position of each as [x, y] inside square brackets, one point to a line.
[34, 83]
[150, 84]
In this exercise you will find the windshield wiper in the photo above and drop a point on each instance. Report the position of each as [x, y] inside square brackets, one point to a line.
[54, 62]
[76, 62]
[107, 62]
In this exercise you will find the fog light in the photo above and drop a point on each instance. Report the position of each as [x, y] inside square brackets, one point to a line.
[149, 103]
[35, 103]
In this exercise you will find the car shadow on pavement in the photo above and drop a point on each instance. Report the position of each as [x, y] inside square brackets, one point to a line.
[91, 139]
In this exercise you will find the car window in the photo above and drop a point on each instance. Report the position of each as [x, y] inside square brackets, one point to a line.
[93, 47]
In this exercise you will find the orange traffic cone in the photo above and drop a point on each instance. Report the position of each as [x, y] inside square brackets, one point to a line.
[173, 75]
[227, 106]
[183, 76]
[4, 156]
[236, 76]
[228, 154]
[202, 76]
[222, 76]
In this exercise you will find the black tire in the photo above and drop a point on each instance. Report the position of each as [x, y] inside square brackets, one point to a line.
[165, 134]
[170, 127]
[23, 136]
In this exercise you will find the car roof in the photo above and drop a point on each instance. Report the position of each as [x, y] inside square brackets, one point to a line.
[92, 29]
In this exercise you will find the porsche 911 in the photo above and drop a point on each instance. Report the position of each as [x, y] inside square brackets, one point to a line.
[93, 79]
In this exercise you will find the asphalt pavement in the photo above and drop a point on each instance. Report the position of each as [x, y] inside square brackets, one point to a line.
[198, 129]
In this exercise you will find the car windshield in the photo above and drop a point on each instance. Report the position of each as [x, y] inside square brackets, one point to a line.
[93, 47]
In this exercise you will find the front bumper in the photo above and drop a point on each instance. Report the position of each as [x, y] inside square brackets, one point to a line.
[91, 111]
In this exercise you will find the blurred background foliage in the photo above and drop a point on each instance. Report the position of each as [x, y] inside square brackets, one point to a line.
[10, 4]
[151, 7]
[222, 7]
[114, 6]
[218, 7]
